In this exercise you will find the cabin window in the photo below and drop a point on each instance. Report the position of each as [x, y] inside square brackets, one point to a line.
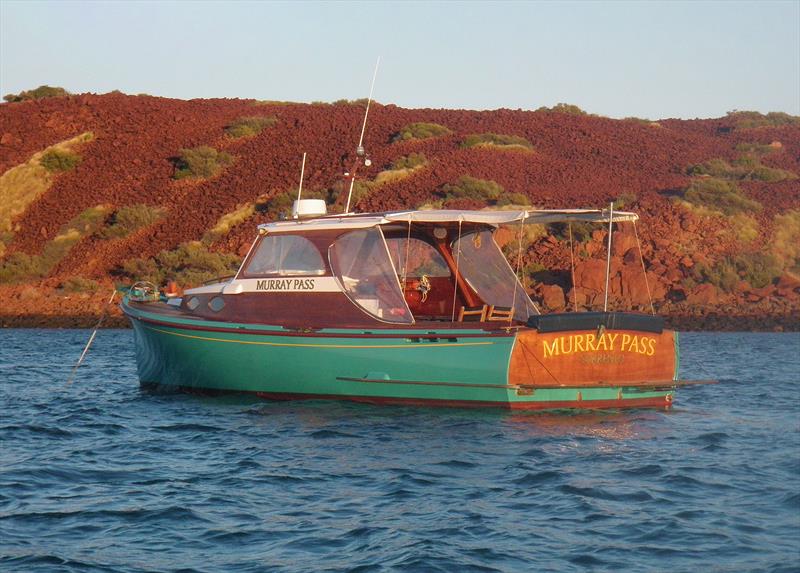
[285, 255]
[361, 262]
[422, 257]
[486, 270]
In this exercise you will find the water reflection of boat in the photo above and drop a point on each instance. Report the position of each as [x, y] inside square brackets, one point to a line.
[413, 307]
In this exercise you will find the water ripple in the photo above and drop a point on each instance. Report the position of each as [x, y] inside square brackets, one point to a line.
[104, 476]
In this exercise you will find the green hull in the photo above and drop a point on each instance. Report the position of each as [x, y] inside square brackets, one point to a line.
[467, 368]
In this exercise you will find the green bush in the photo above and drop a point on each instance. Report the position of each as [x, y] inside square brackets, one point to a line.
[785, 243]
[130, 218]
[719, 195]
[496, 139]
[421, 130]
[409, 161]
[80, 284]
[39, 93]
[250, 125]
[513, 199]
[753, 119]
[626, 199]
[19, 267]
[472, 188]
[581, 231]
[281, 204]
[758, 269]
[755, 148]
[564, 108]
[200, 162]
[188, 264]
[57, 160]
[746, 168]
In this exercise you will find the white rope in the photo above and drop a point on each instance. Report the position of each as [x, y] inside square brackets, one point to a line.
[644, 271]
[408, 249]
[518, 281]
[608, 256]
[572, 271]
[455, 278]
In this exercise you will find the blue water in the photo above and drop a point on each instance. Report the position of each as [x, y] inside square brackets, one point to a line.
[103, 476]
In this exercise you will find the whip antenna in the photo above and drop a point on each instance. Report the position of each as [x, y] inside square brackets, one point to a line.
[302, 171]
[360, 149]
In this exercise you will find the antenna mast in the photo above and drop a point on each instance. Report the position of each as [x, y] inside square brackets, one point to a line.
[360, 149]
[302, 171]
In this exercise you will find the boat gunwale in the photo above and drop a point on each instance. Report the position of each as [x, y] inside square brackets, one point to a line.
[267, 329]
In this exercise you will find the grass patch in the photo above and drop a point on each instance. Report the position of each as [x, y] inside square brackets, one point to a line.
[58, 160]
[758, 269]
[410, 161]
[744, 228]
[22, 185]
[20, 267]
[497, 140]
[756, 148]
[720, 196]
[421, 130]
[564, 108]
[200, 162]
[401, 168]
[228, 221]
[129, 219]
[80, 285]
[485, 191]
[189, 264]
[39, 93]
[250, 125]
[746, 168]
[754, 119]
[785, 244]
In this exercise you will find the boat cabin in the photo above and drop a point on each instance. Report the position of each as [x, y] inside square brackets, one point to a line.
[380, 270]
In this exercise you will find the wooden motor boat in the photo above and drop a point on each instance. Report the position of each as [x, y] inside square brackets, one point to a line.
[411, 307]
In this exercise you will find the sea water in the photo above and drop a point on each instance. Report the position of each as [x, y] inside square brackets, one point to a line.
[104, 476]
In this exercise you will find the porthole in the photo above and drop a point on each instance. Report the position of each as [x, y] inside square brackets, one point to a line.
[216, 304]
[192, 303]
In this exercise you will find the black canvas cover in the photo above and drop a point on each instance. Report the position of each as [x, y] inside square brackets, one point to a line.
[593, 320]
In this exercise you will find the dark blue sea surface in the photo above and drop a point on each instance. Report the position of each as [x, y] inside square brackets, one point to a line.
[103, 476]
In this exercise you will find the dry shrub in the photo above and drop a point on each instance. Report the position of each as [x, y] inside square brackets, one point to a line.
[497, 140]
[421, 130]
[200, 162]
[250, 125]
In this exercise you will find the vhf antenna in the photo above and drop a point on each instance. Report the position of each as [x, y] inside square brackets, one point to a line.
[360, 149]
[302, 171]
[300, 187]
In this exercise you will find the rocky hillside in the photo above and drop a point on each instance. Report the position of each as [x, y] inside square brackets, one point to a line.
[103, 189]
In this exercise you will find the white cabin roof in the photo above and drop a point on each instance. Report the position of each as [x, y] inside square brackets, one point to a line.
[494, 218]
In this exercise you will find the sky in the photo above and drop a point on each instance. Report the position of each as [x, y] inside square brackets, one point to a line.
[647, 59]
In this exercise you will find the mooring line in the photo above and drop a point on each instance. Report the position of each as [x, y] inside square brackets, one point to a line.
[91, 339]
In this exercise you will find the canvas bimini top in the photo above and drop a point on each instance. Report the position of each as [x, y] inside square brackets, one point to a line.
[441, 216]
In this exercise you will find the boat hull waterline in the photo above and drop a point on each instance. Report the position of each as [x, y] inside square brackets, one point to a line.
[463, 368]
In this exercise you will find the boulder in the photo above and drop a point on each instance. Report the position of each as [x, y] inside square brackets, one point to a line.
[621, 243]
[703, 294]
[553, 297]
[788, 281]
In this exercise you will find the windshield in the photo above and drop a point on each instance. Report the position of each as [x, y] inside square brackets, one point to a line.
[361, 262]
[483, 266]
[285, 255]
[414, 257]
